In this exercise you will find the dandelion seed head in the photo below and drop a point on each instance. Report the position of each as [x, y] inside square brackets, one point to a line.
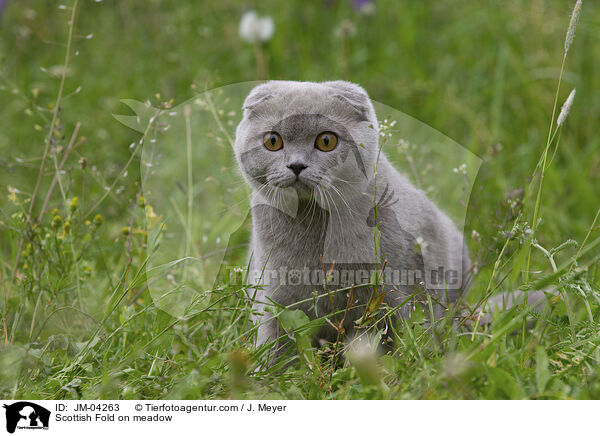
[363, 348]
[346, 29]
[254, 28]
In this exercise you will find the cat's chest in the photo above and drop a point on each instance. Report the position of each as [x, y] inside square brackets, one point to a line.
[313, 236]
[288, 238]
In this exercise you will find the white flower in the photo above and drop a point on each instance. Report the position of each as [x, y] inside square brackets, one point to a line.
[254, 28]
[368, 9]
[420, 244]
[462, 169]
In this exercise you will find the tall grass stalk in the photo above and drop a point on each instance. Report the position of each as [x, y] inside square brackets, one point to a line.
[536, 212]
[55, 110]
[541, 168]
[187, 112]
[48, 144]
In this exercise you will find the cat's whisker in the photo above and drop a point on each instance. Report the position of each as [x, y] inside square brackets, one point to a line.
[348, 182]
[340, 218]
[330, 210]
[354, 187]
[337, 191]
[270, 199]
[323, 210]
[334, 205]
[312, 209]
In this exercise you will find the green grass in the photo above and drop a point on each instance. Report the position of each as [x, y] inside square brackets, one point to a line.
[77, 315]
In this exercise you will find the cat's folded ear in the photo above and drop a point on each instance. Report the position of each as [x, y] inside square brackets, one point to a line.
[353, 96]
[257, 96]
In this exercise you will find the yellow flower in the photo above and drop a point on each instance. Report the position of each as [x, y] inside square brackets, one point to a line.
[98, 220]
[12, 195]
[56, 222]
[151, 217]
[74, 204]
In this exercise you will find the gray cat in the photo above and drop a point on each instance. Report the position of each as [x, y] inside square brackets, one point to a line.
[328, 209]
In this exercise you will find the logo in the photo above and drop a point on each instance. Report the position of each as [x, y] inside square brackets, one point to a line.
[26, 415]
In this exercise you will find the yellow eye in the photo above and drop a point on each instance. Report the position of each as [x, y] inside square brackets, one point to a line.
[273, 141]
[326, 141]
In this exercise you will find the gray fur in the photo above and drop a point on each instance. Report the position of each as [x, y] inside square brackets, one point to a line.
[328, 212]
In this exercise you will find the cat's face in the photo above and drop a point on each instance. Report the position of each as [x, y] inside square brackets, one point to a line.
[308, 137]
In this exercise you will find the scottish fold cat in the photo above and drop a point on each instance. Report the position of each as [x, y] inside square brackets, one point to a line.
[329, 211]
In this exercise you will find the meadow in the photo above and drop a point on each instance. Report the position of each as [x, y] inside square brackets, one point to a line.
[81, 235]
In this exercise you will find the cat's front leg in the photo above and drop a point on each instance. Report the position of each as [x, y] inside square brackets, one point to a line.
[268, 327]
[269, 335]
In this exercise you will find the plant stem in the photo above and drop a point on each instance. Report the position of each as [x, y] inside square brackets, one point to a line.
[48, 141]
[58, 169]
[190, 182]
[538, 199]
[260, 61]
[54, 112]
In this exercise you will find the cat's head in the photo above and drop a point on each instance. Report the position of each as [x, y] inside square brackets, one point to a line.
[307, 137]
